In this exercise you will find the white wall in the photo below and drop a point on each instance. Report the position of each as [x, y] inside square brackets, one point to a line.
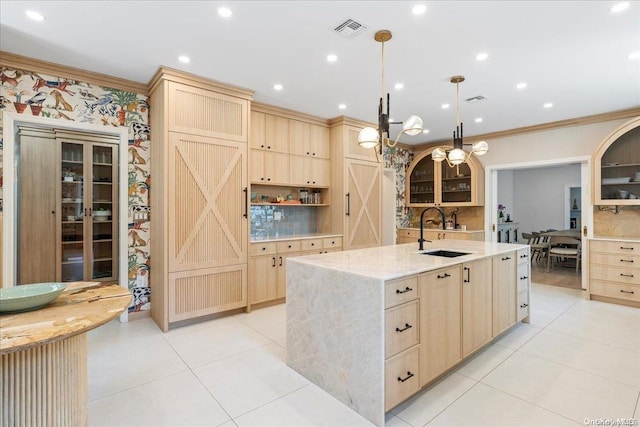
[539, 196]
[505, 192]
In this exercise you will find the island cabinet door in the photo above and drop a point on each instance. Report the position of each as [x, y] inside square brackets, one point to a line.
[440, 316]
[476, 305]
[363, 208]
[263, 276]
[504, 292]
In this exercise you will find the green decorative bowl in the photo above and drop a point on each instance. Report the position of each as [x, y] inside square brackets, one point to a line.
[29, 297]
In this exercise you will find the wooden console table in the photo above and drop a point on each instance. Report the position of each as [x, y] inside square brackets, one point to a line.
[43, 354]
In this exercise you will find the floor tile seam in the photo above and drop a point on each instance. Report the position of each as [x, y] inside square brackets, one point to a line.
[637, 387]
[531, 403]
[454, 401]
[593, 340]
[213, 397]
[141, 384]
[274, 400]
[261, 333]
[495, 367]
[235, 355]
[636, 414]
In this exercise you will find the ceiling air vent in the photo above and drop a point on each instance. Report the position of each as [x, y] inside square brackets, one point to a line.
[475, 99]
[349, 28]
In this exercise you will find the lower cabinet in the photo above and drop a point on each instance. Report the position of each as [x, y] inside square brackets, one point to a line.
[504, 292]
[401, 377]
[440, 320]
[524, 291]
[614, 271]
[476, 305]
[412, 235]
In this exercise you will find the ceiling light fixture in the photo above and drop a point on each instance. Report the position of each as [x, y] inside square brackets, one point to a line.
[458, 155]
[278, 86]
[548, 105]
[398, 86]
[184, 59]
[478, 120]
[332, 58]
[633, 56]
[225, 12]
[482, 56]
[419, 9]
[370, 137]
[445, 106]
[619, 7]
[35, 15]
[521, 85]
[342, 106]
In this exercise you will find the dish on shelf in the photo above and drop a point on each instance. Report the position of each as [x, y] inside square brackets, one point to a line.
[102, 213]
[622, 180]
[612, 164]
[29, 297]
[100, 218]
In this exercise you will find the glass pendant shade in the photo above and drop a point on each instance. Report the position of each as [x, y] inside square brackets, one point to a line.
[438, 155]
[413, 126]
[480, 148]
[368, 137]
[457, 156]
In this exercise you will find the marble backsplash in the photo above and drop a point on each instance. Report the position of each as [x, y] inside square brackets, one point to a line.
[273, 221]
[625, 222]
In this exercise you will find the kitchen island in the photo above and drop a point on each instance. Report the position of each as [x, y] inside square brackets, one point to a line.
[373, 326]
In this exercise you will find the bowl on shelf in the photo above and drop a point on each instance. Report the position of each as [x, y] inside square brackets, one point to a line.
[29, 297]
[621, 180]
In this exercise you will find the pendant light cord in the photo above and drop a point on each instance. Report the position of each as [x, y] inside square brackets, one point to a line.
[457, 104]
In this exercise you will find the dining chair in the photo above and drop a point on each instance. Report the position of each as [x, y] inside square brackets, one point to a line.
[538, 246]
[563, 247]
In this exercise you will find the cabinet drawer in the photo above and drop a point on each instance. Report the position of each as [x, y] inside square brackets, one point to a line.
[262, 249]
[401, 377]
[617, 247]
[523, 305]
[615, 274]
[401, 329]
[625, 291]
[615, 260]
[332, 242]
[523, 277]
[401, 290]
[288, 246]
[311, 244]
[404, 232]
[523, 256]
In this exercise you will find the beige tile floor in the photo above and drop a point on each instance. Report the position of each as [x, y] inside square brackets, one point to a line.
[577, 360]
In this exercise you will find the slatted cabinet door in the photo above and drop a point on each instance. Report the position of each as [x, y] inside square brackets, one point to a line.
[363, 210]
[207, 225]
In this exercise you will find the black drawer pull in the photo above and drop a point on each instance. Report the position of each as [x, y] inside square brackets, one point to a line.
[523, 278]
[444, 276]
[289, 246]
[523, 256]
[626, 260]
[506, 258]
[406, 326]
[629, 249]
[264, 248]
[407, 289]
[626, 275]
[409, 375]
[524, 305]
[626, 292]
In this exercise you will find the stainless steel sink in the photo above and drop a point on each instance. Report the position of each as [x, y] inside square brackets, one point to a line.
[445, 253]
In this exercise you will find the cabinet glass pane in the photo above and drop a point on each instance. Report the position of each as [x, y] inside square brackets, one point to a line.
[620, 168]
[422, 182]
[103, 262]
[456, 183]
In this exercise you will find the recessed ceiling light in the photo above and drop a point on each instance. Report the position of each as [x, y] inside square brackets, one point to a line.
[482, 56]
[548, 105]
[619, 7]
[425, 130]
[419, 9]
[35, 15]
[278, 86]
[398, 85]
[342, 106]
[445, 106]
[634, 56]
[184, 59]
[522, 85]
[225, 12]
[478, 120]
[332, 58]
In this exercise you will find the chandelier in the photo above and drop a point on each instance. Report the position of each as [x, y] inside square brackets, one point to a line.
[458, 155]
[370, 137]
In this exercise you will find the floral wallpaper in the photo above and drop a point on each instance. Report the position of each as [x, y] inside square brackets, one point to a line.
[399, 159]
[27, 92]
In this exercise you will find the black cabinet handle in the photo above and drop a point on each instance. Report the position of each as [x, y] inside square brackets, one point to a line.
[406, 326]
[629, 249]
[524, 305]
[268, 147]
[307, 153]
[523, 256]
[262, 146]
[264, 248]
[274, 261]
[523, 278]
[444, 276]
[280, 261]
[409, 375]
[289, 246]
[268, 179]
[626, 292]
[626, 275]
[407, 289]
[313, 244]
[626, 260]
[246, 203]
[468, 279]
[506, 258]
[348, 204]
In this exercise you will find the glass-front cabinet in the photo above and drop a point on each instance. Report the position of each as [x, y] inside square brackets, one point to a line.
[88, 206]
[432, 183]
[616, 165]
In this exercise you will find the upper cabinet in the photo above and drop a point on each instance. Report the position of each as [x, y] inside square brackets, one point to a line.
[308, 139]
[432, 183]
[616, 164]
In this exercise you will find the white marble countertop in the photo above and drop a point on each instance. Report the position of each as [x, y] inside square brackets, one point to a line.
[452, 230]
[394, 261]
[293, 237]
[616, 239]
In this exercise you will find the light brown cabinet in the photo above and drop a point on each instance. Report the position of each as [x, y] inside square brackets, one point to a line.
[309, 172]
[308, 139]
[412, 235]
[269, 168]
[504, 292]
[616, 167]
[440, 321]
[614, 271]
[476, 305]
[199, 239]
[432, 183]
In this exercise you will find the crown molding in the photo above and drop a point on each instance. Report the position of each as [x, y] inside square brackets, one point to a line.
[18, 62]
[171, 74]
[290, 114]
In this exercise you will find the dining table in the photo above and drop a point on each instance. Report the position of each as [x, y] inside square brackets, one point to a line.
[43, 355]
[571, 232]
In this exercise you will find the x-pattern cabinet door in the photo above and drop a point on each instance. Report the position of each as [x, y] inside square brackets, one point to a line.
[363, 214]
